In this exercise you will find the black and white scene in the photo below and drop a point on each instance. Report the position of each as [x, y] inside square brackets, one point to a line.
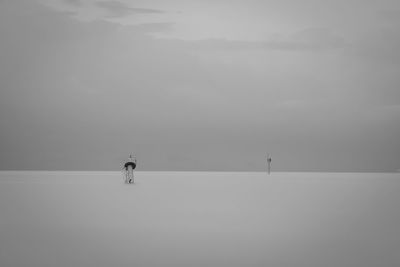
[199, 133]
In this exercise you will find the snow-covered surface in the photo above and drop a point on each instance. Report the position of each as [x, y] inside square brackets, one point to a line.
[199, 219]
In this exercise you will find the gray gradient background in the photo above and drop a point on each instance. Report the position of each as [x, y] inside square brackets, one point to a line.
[199, 85]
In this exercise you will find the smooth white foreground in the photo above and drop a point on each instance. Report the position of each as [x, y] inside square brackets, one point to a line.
[199, 219]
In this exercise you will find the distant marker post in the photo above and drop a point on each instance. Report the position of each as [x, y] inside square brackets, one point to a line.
[269, 159]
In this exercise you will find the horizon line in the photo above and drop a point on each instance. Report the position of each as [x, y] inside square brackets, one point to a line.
[226, 171]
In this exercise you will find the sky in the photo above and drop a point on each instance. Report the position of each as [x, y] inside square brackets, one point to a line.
[200, 85]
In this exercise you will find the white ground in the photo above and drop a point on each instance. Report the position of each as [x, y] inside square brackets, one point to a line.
[199, 219]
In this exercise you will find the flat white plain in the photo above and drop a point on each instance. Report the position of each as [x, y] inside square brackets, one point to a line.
[199, 219]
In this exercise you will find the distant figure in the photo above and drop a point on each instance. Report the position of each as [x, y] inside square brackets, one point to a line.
[129, 166]
[269, 160]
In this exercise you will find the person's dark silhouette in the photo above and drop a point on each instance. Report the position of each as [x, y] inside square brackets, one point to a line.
[129, 166]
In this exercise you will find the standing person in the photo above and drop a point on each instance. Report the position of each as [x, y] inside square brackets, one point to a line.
[129, 166]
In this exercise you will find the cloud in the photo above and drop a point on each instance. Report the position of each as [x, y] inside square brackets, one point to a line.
[152, 27]
[311, 39]
[389, 15]
[119, 9]
[73, 2]
[317, 38]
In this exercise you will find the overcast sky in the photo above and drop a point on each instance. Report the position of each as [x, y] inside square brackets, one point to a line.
[200, 85]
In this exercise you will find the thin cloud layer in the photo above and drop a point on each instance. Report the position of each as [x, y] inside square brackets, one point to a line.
[73, 2]
[149, 28]
[119, 9]
[312, 39]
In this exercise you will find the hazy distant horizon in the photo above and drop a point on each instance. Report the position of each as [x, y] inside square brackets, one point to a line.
[195, 171]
